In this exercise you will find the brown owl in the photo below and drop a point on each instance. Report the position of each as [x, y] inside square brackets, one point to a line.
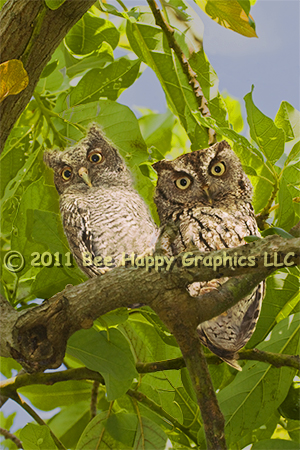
[208, 196]
[102, 214]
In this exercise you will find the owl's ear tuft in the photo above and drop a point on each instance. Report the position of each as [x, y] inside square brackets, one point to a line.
[223, 144]
[51, 158]
[94, 132]
[160, 165]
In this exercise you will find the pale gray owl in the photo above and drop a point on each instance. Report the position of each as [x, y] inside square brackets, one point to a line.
[208, 196]
[102, 214]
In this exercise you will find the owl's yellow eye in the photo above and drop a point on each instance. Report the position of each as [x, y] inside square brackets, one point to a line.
[218, 169]
[95, 157]
[183, 182]
[66, 173]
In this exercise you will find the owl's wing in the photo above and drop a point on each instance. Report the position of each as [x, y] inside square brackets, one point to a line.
[76, 224]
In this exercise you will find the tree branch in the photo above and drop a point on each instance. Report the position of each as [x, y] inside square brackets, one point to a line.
[186, 67]
[12, 437]
[37, 418]
[31, 32]
[37, 337]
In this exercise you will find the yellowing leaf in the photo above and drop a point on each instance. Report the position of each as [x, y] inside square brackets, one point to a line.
[229, 14]
[13, 78]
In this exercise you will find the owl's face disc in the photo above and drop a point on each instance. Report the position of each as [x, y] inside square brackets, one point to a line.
[93, 162]
[205, 177]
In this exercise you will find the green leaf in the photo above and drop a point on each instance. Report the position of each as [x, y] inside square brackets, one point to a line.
[149, 435]
[294, 155]
[122, 427]
[89, 33]
[278, 231]
[150, 44]
[7, 422]
[36, 437]
[282, 290]
[251, 238]
[292, 174]
[70, 422]
[230, 14]
[269, 138]
[157, 130]
[47, 398]
[260, 388]
[14, 181]
[103, 55]
[49, 68]
[285, 214]
[288, 118]
[275, 444]
[7, 365]
[112, 358]
[234, 112]
[109, 82]
[293, 428]
[54, 4]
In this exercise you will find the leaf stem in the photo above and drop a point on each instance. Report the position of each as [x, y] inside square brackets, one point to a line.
[142, 398]
[37, 418]
[186, 67]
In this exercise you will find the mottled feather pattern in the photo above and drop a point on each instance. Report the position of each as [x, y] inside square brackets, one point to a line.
[102, 213]
[212, 211]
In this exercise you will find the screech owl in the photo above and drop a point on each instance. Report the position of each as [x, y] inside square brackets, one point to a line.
[208, 196]
[102, 214]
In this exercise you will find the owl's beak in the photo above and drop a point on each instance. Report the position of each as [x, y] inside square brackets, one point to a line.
[206, 190]
[83, 173]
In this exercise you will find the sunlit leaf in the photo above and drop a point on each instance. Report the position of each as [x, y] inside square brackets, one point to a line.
[54, 4]
[260, 388]
[230, 14]
[288, 118]
[13, 78]
[112, 358]
[269, 138]
[109, 82]
[36, 437]
[89, 33]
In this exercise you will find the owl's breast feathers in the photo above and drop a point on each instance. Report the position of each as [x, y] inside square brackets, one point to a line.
[211, 228]
[106, 223]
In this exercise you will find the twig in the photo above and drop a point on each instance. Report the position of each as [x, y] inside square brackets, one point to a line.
[186, 67]
[38, 419]
[142, 398]
[9, 386]
[94, 399]
[276, 359]
[11, 436]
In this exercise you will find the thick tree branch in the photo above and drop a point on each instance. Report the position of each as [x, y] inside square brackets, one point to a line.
[31, 32]
[186, 67]
[37, 337]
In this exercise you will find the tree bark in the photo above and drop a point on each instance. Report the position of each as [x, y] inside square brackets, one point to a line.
[31, 32]
[37, 337]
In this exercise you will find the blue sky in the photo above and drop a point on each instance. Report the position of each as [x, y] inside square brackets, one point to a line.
[271, 62]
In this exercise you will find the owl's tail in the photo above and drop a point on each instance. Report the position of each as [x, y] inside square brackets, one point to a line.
[230, 357]
[233, 363]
